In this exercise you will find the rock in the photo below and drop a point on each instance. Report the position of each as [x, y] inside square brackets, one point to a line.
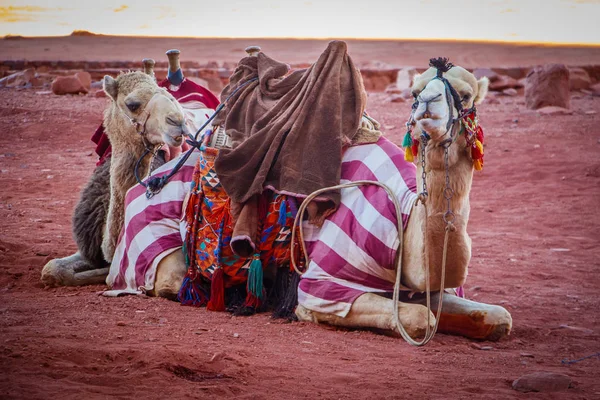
[514, 72]
[85, 78]
[44, 92]
[396, 98]
[510, 92]
[579, 79]
[67, 85]
[551, 110]
[405, 78]
[481, 72]
[100, 93]
[18, 79]
[593, 71]
[376, 80]
[407, 94]
[505, 82]
[542, 382]
[548, 85]
[595, 89]
[393, 89]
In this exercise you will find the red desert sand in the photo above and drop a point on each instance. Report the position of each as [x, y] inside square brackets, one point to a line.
[534, 224]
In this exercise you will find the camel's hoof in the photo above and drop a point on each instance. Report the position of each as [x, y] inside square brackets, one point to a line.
[491, 324]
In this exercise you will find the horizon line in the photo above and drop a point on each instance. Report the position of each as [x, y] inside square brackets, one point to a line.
[84, 33]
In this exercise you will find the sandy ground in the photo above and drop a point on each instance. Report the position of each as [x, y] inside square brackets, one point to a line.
[535, 229]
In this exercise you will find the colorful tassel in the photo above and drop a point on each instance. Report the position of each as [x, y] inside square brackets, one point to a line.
[478, 164]
[477, 150]
[415, 148]
[282, 213]
[217, 291]
[408, 140]
[408, 155]
[192, 293]
[255, 277]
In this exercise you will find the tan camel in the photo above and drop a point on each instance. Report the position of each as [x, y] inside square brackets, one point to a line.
[459, 316]
[140, 115]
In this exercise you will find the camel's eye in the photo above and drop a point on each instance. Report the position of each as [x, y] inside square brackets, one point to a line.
[415, 94]
[466, 97]
[133, 106]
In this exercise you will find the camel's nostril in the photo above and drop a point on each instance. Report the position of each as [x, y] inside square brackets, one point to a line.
[426, 115]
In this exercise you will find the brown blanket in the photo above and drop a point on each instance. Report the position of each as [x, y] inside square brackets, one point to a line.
[288, 132]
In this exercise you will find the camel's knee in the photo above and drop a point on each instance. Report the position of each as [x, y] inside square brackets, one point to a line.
[414, 319]
[304, 314]
[169, 276]
[60, 271]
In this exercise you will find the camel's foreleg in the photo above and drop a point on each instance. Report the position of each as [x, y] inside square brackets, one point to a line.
[470, 319]
[169, 276]
[373, 311]
[73, 270]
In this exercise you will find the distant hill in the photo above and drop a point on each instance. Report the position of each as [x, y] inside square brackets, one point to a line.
[84, 33]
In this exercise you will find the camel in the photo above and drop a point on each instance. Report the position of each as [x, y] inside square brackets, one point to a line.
[141, 115]
[424, 234]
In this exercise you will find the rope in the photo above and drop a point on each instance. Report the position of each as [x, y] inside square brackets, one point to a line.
[429, 333]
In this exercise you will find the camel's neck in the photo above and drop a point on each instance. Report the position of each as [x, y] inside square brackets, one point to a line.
[460, 173]
[424, 236]
[127, 148]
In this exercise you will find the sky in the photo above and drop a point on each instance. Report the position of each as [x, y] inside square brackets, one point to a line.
[542, 21]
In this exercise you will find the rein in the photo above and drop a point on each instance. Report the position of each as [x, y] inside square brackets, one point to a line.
[155, 184]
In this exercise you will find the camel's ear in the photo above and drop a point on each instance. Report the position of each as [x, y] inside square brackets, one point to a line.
[482, 85]
[111, 87]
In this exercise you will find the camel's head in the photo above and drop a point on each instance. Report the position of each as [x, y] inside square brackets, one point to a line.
[155, 113]
[435, 105]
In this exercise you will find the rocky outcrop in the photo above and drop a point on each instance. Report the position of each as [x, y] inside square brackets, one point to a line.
[68, 85]
[548, 85]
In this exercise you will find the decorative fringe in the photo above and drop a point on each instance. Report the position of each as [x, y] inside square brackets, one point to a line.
[192, 293]
[217, 291]
[255, 277]
[255, 285]
[408, 140]
[408, 155]
[287, 305]
[282, 213]
[478, 165]
[477, 150]
[441, 64]
[415, 148]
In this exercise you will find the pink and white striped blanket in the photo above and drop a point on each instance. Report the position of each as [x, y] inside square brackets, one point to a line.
[354, 251]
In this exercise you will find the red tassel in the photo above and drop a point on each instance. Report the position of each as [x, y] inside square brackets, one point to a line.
[252, 301]
[479, 134]
[415, 148]
[217, 291]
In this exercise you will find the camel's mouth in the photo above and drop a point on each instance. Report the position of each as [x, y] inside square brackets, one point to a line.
[174, 140]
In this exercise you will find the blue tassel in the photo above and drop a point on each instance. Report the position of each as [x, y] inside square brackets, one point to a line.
[282, 213]
[255, 278]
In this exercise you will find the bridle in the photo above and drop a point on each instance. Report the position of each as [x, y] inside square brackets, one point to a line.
[155, 184]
